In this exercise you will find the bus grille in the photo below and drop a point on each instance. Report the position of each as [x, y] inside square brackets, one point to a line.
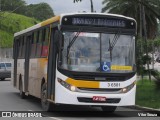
[103, 78]
[100, 89]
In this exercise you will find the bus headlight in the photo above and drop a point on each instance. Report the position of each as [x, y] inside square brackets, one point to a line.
[73, 88]
[66, 85]
[128, 88]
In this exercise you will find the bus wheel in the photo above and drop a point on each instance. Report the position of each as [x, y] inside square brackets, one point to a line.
[22, 94]
[46, 105]
[109, 109]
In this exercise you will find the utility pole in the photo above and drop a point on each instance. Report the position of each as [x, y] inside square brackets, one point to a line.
[0, 48]
[145, 39]
[0, 28]
[92, 8]
[91, 1]
[141, 40]
[0, 6]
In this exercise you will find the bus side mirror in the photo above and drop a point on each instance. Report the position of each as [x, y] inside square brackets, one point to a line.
[59, 40]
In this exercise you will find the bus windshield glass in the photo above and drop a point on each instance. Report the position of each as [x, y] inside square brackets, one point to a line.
[95, 52]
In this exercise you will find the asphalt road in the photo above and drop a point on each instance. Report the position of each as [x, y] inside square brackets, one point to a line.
[11, 101]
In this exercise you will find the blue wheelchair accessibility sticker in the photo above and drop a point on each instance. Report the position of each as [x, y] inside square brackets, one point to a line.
[106, 66]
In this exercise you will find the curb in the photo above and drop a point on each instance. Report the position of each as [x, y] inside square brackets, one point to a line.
[147, 108]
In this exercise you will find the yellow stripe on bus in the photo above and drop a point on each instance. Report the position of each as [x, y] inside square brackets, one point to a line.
[117, 67]
[51, 20]
[83, 83]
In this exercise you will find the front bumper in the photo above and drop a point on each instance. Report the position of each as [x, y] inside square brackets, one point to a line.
[64, 96]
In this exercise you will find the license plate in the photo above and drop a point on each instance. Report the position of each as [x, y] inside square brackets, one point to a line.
[99, 98]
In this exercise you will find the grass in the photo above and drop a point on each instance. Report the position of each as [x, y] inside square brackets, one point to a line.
[147, 94]
[6, 39]
[11, 23]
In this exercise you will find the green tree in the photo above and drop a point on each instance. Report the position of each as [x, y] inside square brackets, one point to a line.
[92, 8]
[41, 11]
[132, 8]
[16, 6]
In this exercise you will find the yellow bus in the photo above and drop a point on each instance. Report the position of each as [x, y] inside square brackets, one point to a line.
[78, 59]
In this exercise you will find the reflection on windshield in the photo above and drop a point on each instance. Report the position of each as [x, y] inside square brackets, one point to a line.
[89, 53]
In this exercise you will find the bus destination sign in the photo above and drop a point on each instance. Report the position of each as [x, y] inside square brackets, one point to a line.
[98, 22]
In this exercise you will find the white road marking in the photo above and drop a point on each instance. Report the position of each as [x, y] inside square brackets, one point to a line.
[55, 118]
[30, 110]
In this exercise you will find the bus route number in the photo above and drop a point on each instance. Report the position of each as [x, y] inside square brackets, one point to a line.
[113, 85]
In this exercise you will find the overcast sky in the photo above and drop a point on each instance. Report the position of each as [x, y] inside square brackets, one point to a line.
[66, 6]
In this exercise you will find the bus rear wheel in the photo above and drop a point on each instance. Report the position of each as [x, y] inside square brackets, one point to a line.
[109, 109]
[46, 105]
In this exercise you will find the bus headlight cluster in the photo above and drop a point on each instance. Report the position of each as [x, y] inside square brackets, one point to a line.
[128, 88]
[66, 85]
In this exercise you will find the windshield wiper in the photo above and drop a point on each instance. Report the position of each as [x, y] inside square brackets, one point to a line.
[113, 43]
[110, 49]
[71, 43]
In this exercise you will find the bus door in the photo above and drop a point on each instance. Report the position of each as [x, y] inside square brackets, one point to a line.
[15, 57]
[26, 66]
[51, 67]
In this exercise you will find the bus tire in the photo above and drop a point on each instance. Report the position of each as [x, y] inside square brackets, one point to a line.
[109, 109]
[46, 105]
[22, 94]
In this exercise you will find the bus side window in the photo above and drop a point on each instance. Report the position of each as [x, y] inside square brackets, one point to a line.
[33, 44]
[39, 44]
[45, 42]
[19, 47]
[23, 47]
[14, 51]
[15, 47]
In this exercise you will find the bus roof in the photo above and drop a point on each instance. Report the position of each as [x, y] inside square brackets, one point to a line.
[58, 19]
[114, 15]
[46, 22]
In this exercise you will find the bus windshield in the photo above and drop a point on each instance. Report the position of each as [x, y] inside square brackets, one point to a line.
[91, 52]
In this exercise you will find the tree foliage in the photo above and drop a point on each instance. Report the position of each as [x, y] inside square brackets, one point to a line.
[17, 6]
[131, 8]
[39, 11]
[11, 24]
